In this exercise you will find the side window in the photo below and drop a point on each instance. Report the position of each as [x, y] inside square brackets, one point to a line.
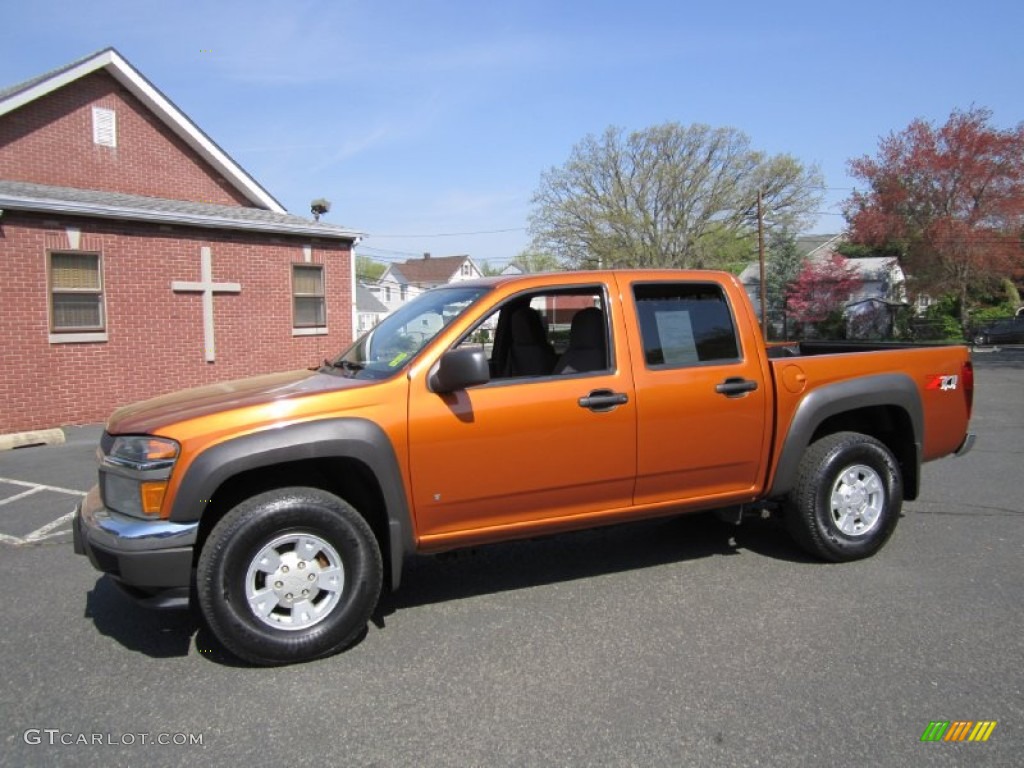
[308, 301]
[546, 333]
[685, 324]
[76, 293]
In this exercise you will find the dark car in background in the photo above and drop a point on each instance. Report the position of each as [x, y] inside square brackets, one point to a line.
[1009, 331]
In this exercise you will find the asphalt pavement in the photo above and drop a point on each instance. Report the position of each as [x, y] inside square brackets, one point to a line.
[674, 642]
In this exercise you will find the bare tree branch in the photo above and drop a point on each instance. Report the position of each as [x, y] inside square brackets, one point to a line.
[669, 196]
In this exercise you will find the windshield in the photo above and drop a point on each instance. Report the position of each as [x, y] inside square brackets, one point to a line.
[389, 346]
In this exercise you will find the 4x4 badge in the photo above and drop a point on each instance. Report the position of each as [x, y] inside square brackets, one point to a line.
[942, 382]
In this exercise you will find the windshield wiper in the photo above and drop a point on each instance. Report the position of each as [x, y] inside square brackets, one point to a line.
[345, 365]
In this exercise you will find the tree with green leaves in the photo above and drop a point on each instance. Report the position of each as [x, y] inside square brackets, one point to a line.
[536, 261]
[666, 196]
[489, 270]
[783, 266]
[368, 269]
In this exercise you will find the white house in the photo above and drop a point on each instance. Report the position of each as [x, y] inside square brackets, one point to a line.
[369, 309]
[401, 282]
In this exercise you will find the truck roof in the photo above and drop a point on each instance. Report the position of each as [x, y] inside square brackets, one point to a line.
[576, 276]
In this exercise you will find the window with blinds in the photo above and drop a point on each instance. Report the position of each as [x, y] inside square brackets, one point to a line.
[308, 296]
[76, 292]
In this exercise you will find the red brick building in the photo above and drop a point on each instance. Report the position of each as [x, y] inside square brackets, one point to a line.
[139, 258]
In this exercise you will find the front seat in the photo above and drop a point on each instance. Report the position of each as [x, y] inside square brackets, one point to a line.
[586, 350]
[529, 352]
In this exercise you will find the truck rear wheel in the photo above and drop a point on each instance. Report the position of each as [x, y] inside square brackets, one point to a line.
[847, 497]
[289, 575]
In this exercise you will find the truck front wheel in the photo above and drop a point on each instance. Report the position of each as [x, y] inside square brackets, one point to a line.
[289, 575]
[847, 497]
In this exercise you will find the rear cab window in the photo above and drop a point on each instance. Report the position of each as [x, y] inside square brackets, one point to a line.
[685, 324]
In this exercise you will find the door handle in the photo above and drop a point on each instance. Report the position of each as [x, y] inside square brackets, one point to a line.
[736, 386]
[603, 400]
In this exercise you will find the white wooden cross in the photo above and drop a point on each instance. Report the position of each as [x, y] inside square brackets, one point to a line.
[207, 287]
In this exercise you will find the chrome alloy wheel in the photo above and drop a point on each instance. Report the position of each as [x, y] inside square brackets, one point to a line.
[295, 581]
[858, 499]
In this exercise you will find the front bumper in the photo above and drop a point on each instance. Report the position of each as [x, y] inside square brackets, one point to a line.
[151, 559]
[966, 445]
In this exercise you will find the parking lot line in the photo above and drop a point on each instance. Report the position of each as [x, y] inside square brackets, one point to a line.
[17, 496]
[43, 532]
[40, 487]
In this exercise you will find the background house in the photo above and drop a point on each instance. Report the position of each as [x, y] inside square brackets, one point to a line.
[870, 308]
[401, 282]
[369, 309]
[140, 258]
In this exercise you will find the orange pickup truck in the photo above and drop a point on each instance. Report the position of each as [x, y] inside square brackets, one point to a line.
[497, 409]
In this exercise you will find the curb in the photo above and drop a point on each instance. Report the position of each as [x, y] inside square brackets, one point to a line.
[37, 437]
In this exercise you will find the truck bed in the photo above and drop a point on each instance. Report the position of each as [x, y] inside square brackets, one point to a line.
[784, 349]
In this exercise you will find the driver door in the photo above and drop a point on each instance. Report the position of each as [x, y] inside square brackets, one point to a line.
[529, 447]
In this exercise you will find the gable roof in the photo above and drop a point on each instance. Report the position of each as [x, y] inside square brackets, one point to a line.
[394, 272]
[177, 122]
[814, 247]
[430, 269]
[25, 196]
[367, 302]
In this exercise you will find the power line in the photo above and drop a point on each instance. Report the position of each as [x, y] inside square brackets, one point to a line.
[456, 234]
[384, 253]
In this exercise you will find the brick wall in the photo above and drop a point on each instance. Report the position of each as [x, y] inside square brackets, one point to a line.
[155, 335]
[50, 141]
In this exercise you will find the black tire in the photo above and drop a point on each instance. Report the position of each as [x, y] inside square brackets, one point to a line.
[267, 548]
[847, 498]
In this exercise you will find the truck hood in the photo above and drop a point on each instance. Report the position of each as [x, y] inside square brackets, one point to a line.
[150, 415]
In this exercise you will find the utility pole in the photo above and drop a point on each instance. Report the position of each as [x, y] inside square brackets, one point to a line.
[760, 259]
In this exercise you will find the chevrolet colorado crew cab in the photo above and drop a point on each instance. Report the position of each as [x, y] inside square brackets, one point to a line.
[498, 409]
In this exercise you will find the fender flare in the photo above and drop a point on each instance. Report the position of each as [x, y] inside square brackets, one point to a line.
[889, 389]
[348, 438]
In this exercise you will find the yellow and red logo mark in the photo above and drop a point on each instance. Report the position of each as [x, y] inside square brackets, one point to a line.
[958, 730]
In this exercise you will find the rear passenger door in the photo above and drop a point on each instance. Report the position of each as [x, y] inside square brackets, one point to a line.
[702, 403]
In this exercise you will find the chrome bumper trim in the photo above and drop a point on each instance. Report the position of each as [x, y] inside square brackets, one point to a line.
[119, 533]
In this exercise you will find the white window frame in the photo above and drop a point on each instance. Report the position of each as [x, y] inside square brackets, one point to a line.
[77, 334]
[309, 330]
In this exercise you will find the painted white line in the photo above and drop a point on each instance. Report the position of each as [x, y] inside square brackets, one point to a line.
[42, 487]
[44, 533]
[53, 535]
[47, 531]
[21, 495]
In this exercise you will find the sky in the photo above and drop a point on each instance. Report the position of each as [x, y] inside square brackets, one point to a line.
[428, 124]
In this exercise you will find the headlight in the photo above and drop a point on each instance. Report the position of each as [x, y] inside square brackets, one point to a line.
[134, 474]
[143, 453]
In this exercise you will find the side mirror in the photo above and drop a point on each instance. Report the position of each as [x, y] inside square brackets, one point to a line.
[458, 369]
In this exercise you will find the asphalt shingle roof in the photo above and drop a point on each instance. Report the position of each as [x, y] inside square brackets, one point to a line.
[33, 81]
[367, 302]
[428, 271]
[23, 195]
